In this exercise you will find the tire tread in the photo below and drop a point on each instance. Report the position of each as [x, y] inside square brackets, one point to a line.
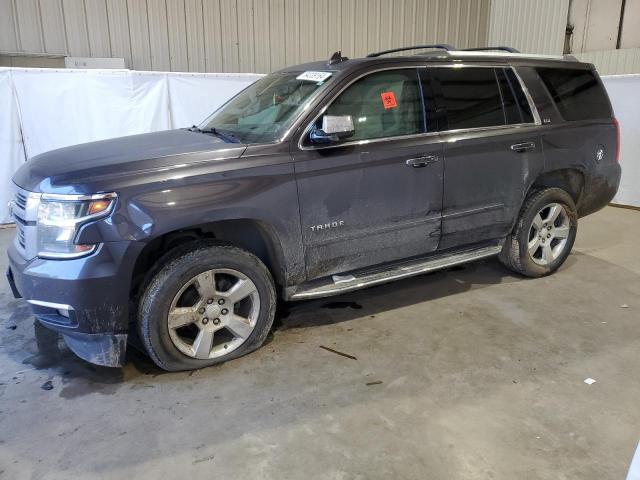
[190, 253]
[510, 255]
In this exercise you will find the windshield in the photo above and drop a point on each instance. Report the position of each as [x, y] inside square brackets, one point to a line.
[263, 111]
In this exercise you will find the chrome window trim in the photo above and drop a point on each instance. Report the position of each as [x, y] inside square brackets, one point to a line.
[532, 105]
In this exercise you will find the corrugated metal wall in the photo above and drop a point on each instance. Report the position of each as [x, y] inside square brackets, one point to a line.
[599, 27]
[531, 26]
[234, 35]
[613, 62]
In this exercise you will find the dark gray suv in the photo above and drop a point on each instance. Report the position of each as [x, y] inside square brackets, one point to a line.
[316, 180]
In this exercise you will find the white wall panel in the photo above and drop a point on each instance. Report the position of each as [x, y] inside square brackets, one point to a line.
[119, 30]
[98, 33]
[8, 37]
[158, 35]
[176, 22]
[53, 30]
[99, 42]
[277, 37]
[139, 34]
[623, 90]
[262, 45]
[246, 37]
[196, 46]
[595, 24]
[292, 32]
[28, 23]
[234, 35]
[75, 22]
[630, 37]
[531, 26]
[229, 35]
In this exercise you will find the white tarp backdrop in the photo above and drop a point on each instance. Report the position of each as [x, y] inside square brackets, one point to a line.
[11, 147]
[43, 109]
[624, 91]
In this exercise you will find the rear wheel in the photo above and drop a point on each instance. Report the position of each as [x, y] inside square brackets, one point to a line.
[544, 234]
[207, 305]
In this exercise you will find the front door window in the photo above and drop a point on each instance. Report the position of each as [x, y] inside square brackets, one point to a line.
[382, 104]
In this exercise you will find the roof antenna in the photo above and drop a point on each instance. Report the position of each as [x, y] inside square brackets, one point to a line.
[337, 58]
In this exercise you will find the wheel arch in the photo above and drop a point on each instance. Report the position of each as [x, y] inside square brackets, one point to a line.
[571, 180]
[255, 236]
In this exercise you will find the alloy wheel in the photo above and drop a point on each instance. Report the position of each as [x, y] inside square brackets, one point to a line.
[548, 233]
[213, 313]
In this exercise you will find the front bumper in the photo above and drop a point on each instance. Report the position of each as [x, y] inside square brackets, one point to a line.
[84, 299]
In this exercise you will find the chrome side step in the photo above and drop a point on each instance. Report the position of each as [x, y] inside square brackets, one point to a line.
[349, 282]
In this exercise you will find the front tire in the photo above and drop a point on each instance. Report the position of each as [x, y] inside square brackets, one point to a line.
[544, 234]
[210, 303]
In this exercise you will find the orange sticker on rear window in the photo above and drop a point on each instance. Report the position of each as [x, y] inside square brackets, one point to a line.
[388, 100]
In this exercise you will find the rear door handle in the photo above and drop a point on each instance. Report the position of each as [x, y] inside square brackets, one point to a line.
[423, 161]
[522, 147]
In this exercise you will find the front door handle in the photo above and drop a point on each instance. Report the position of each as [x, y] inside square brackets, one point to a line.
[423, 161]
[522, 147]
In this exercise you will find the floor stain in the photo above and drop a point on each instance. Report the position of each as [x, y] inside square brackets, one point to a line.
[334, 305]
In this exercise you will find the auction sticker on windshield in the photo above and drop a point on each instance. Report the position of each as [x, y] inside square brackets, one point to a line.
[314, 76]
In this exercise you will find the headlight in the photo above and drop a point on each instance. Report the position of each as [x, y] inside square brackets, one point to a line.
[59, 217]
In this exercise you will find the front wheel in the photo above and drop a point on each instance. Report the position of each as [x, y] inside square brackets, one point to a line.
[544, 234]
[207, 305]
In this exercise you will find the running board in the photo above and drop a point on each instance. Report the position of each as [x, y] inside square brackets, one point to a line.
[346, 283]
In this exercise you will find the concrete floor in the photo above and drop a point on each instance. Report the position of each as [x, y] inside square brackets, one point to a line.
[479, 375]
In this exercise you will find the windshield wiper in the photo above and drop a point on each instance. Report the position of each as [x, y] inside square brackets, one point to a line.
[227, 137]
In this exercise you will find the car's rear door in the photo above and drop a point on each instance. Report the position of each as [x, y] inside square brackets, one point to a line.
[376, 197]
[492, 150]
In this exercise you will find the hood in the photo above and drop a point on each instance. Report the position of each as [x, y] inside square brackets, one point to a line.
[78, 168]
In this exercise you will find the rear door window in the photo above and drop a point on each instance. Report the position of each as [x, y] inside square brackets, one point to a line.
[470, 96]
[578, 94]
[477, 97]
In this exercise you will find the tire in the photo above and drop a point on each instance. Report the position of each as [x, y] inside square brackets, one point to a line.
[206, 294]
[538, 249]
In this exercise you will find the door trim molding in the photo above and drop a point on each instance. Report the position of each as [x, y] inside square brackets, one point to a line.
[375, 231]
[472, 211]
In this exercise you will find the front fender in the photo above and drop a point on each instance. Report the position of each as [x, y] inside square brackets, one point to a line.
[266, 194]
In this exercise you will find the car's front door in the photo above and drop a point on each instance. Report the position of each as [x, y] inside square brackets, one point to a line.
[493, 150]
[375, 197]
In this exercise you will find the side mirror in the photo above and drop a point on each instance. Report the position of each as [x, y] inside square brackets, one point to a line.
[334, 129]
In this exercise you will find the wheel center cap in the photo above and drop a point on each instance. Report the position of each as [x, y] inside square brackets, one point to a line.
[213, 310]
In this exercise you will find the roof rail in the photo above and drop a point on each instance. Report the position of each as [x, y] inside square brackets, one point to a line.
[500, 48]
[442, 46]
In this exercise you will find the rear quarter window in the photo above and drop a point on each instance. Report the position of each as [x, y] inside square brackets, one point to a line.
[578, 94]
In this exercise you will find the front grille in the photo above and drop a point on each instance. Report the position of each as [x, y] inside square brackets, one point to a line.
[21, 235]
[21, 200]
[25, 214]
